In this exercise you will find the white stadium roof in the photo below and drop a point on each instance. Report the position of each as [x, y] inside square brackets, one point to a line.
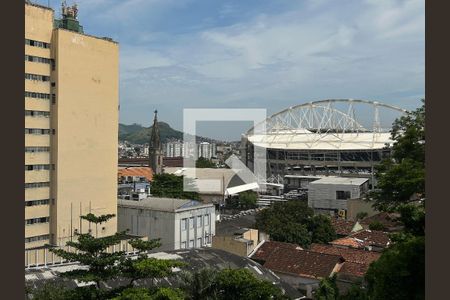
[333, 124]
[328, 141]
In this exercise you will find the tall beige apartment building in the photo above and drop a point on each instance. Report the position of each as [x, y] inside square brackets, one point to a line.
[71, 127]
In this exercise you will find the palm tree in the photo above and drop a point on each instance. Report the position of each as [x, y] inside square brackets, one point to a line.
[200, 285]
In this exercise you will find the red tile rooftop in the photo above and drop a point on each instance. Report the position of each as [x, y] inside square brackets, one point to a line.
[292, 259]
[266, 249]
[349, 254]
[363, 239]
[342, 227]
[388, 220]
[353, 269]
[136, 171]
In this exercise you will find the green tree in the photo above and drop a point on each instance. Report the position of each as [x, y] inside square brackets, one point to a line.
[377, 225]
[228, 284]
[200, 285]
[153, 268]
[327, 290]
[165, 293]
[321, 229]
[400, 272]
[92, 252]
[290, 232]
[246, 200]
[97, 220]
[203, 162]
[355, 292]
[403, 174]
[103, 265]
[143, 267]
[171, 186]
[162, 293]
[361, 215]
[236, 284]
[134, 294]
[49, 291]
[413, 218]
[294, 222]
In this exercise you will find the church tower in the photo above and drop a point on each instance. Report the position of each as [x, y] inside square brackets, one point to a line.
[154, 148]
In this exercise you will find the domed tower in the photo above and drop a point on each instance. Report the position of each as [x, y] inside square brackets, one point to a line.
[154, 148]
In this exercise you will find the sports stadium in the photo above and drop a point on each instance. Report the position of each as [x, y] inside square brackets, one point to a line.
[339, 137]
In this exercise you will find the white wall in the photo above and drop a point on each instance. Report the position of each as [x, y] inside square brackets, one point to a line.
[167, 225]
[198, 230]
[324, 195]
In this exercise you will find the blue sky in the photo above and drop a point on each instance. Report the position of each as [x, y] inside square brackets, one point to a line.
[177, 54]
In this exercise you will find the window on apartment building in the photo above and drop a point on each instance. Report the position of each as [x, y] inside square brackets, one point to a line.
[183, 245]
[36, 167]
[191, 244]
[37, 220]
[37, 238]
[37, 59]
[36, 131]
[199, 242]
[37, 149]
[183, 224]
[37, 202]
[37, 95]
[39, 44]
[37, 113]
[343, 195]
[37, 77]
[199, 221]
[207, 238]
[191, 222]
[206, 220]
[32, 185]
[53, 98]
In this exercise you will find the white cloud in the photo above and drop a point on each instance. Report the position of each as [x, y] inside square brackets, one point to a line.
[137, 57]
[370, 49]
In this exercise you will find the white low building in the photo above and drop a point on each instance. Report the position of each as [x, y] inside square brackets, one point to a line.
[331, 194]
[179, 223]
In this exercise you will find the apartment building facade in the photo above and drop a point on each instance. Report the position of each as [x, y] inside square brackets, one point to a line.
[71, 127]
[185, 149]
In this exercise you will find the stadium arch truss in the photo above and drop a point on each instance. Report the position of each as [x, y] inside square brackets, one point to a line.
[342, 137]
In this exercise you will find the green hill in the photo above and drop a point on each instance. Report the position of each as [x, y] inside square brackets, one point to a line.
[137, 134]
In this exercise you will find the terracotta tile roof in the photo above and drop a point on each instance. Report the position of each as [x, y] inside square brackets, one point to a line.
[363, 239]
[353, 269]
[387, 219]
[292, 259]
[302, 263]
[373, 237]
[269, 247]
[350, 255]
[342, 227]
[136, 171]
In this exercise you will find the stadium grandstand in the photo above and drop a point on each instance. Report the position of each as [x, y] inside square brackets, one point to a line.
[335, 137]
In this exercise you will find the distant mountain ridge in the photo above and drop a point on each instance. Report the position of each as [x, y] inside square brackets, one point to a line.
[138, 134]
